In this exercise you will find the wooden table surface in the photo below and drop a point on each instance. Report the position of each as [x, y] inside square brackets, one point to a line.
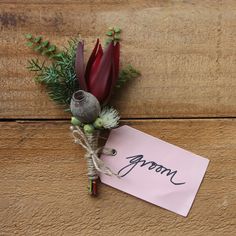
[186, 51]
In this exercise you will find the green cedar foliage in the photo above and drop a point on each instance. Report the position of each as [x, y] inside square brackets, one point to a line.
[59, 75]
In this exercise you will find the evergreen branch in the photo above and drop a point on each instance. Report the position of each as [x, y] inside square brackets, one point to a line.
[126, 74]
[33, 65]
[59, 76]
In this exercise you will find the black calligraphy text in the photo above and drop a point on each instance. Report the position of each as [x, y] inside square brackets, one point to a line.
[138, 160]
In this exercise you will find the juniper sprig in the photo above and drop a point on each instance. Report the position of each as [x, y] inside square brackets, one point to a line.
[59, 75]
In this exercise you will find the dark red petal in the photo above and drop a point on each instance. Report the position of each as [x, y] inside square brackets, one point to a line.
[114, 72]
[102, 77]
[109, 86]
[117, 57]
[91, 61]
[90, 79]
[79, 65]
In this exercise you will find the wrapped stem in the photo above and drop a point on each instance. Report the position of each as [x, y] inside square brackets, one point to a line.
[90, 143]
[93, 140]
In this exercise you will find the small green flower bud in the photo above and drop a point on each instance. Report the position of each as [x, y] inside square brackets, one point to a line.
[88, 129]
[98, 123]
[75, 121]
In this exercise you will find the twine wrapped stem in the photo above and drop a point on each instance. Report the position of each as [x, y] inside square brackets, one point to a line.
[90, 143]
[93, 140]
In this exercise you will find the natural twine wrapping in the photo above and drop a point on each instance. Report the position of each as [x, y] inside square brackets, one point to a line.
[93, 142]
[90, 143]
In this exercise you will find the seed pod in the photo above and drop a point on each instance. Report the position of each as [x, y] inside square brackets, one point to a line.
[84, 106]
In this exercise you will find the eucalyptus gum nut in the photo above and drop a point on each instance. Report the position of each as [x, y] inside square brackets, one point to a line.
[84, 106]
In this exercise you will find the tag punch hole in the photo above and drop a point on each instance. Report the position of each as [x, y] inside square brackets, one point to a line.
[114, 152]
[109, 151]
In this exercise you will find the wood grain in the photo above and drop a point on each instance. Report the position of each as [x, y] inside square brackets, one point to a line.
[43, 183]
[184, 49]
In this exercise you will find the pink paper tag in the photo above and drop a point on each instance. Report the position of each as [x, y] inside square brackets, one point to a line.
[154, 170]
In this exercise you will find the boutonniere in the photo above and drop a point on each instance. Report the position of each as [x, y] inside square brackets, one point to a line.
[85, 90]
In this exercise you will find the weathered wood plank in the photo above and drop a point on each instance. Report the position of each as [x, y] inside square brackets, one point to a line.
[185, 50]
[43, 183]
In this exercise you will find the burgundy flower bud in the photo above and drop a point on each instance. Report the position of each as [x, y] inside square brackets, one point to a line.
[101, 73]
